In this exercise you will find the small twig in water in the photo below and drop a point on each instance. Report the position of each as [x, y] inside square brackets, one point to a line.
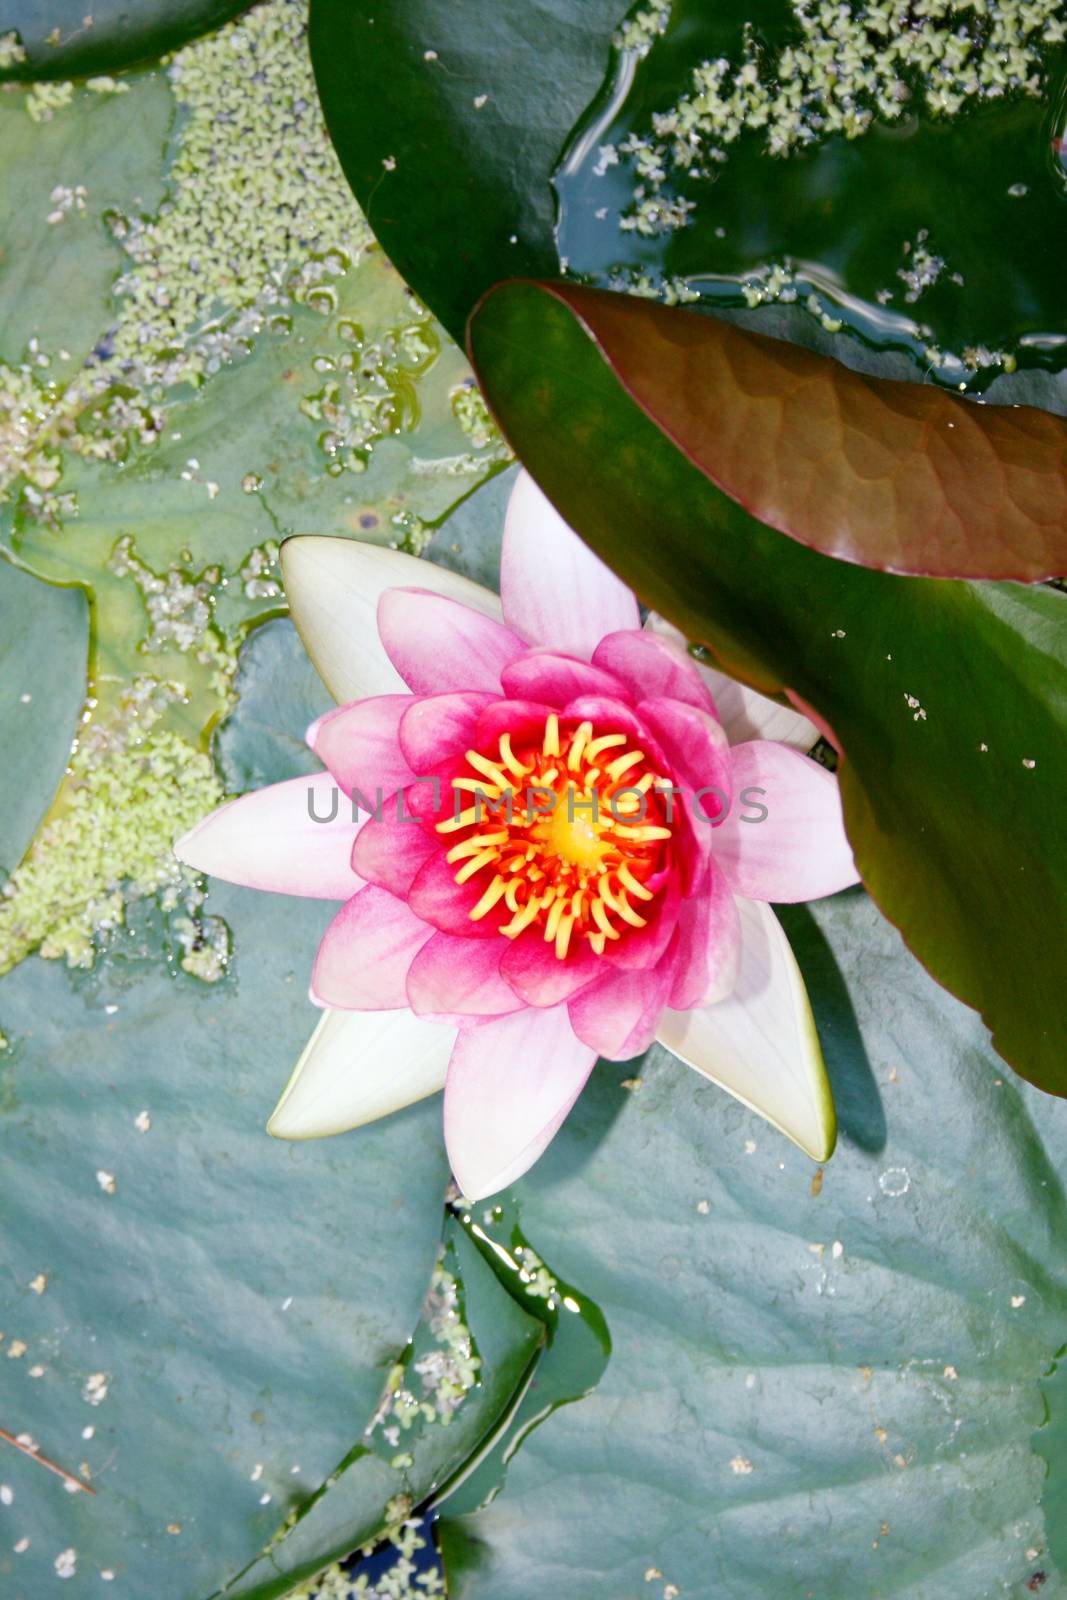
[35, 1455]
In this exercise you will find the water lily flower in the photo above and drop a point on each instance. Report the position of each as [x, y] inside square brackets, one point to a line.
[579, 833]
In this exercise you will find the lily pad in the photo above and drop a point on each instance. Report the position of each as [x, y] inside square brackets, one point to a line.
[280, 695]
[469, 1364]
[60, 39]
[200, 356]
[897, 177]
[448, 121]
[220, 1311]
[1050, 1441]
[847, 167]
[822, 1386]
[945, 697]
[44, 638]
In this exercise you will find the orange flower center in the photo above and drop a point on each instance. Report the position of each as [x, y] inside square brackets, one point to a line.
[567, 834]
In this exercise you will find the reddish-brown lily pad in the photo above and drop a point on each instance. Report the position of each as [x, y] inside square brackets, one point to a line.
[903, 476]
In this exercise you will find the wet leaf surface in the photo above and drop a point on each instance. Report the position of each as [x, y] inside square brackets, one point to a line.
[60, 39]
[824, 1387]
[44, 638]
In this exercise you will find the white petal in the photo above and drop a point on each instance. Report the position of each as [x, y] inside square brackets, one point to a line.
[294, 837]
[333, 587]
[360, 1065]
[557, 592]
[760, 1044]
[744, 712]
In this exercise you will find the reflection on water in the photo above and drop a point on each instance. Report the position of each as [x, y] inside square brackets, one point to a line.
[899, 176]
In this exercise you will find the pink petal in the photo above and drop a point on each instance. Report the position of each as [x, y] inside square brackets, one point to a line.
[439, 726]
[438, 645]
[652, 666]
[547, 676]
[363, 960]
[456, 977]
[510, 1084]
[696, 747]
[618, 1017]
[699, 760]
[431, 798]
[523, 719]
[537, 975]
[391, 847]
[609, 714]
[361, 746]
[709, 946]
[439, 900]
[796, 851]
[556, 592]
[269, 840]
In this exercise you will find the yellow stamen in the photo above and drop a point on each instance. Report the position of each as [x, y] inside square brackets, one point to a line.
[607, 741]
[554, 914]
[475, 864]
[489, 898]
[508, 757]
[571, 871]
[490, 768]
[477, 842]
[627, 879]
[491, 791]
[578, 742]
[465, 819]
[622, 908]
[623, 763]
[512, 929]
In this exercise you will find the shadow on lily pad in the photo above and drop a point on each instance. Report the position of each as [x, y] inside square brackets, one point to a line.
[860, 1113]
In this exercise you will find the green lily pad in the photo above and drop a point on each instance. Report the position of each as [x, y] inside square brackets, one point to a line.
[1050, 1441]
[847, 168]
[62, 175]
[60, 39]
[820, 1388]
[448, 121]
[945, 697]
[469, 1364]
[219, 1310]
[198, 356]
[44, 636]
[280, 695]
[900, 181]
